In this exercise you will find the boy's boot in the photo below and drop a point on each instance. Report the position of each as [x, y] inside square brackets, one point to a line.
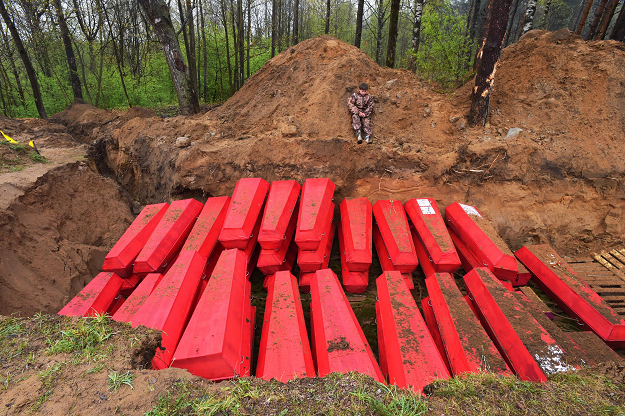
[368, 139]
[358, 137]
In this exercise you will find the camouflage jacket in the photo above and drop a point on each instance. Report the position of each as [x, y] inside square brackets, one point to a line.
[357, 103]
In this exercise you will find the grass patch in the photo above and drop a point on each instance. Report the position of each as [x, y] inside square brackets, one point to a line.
[118, 380]
[563, 394]
[36, 157]
[19, 148]
[84, 337]
[336, 394]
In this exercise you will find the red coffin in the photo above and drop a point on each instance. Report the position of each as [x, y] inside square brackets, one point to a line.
[356, 222]
[205, 233]
[306, 277]
[385, 259]
[130, 283]
[96, 298]
[572, 294]
[280, 209]
[432, 232]
[339, 344]
[467, 346]
[424, 259]
[137, 298]
[244, 211]
[315, 203]
[311, 261]
[271, 260]
[121, 257]
[482, 239]
[479, 283]
[169, 306]
[430, 322]
[412, 357]
[287, 264]
[393, 225]
[168, 236]
[213, 341]
[354, 282]
[284, 352]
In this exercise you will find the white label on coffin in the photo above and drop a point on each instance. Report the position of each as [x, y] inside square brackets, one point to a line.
[470, 210]
[426, 207]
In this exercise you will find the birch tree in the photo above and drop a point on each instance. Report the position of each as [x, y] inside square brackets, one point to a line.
[416, 34]
[528, 20]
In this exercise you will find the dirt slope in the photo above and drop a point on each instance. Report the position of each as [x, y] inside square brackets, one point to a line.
[58, 219]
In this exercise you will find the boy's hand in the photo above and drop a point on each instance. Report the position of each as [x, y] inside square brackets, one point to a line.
[361, 114]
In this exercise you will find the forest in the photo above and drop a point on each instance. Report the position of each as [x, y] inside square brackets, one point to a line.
[110, 53]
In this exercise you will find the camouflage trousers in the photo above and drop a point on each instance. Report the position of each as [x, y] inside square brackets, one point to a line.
[366, 124]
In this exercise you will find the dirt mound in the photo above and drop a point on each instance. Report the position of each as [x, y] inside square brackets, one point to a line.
[55, 237]
[567, 96]
[304, 92]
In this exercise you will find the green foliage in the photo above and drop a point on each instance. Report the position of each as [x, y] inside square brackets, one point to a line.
[444, 49]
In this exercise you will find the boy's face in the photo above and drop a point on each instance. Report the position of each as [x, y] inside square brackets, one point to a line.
[362, 92]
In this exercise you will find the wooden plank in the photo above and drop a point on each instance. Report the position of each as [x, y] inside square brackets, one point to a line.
[596, 268]
[614, 261]
[616, 254]
[577, 260]
[614, 291]
[609, 266]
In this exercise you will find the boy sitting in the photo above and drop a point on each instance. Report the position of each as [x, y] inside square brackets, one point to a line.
[361, 106]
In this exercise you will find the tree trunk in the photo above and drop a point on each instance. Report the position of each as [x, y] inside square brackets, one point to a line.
[575, 16]
[204, 53]
[359, 16]
[157, 14]
[224, 21]
[9, 53]
[193, 72]
[490, 51]
[69, 52]
[30, 71]
[118, 56]
[249, 36]
[416, 34]
[327, 30]
[606, 19]
[595, 22]
[378, 38]
[296, 23]
[618, 33]
[582, 20]
[528, 20]
[274, 6]
[544, 24]
[241, 43]
[81, 60]
[392, 34]
[473, 29]
[235, 38]
[508, 37]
